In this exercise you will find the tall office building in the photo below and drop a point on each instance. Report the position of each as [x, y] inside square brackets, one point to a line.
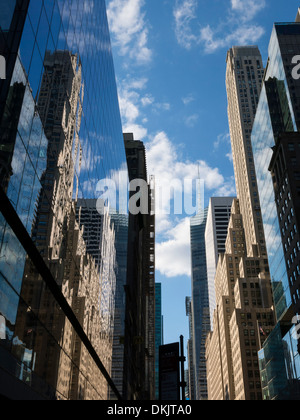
[275, 143]
[120, 223]
[242, 321]
[244, 75]
[200, 302]
[284, 168]
[191, 374]
[56, 140]
[244, 317]
[139, 352]
[218, 216]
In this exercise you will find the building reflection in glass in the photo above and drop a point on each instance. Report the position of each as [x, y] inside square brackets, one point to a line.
[277, 113]
[61, 134]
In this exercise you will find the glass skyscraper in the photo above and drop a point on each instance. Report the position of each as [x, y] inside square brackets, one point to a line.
[60, 133]
[200, 302]
[120, 222]
[278, 112]
[191, 376]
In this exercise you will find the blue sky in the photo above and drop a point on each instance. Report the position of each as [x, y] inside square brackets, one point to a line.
[170, 60]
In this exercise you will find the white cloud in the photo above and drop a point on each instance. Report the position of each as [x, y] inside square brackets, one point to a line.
[173, 256]
[133, 101]
[162, 106]
[147, 100]
[129, 29]
[173, 235]
[228, 189]
[248, 9]
[170, 169]
[164, 162]
[188, 99]
[135, 83]
[128, 108]
[235, 27]
[242, 35]
[191, 120]
[222, 139]
[230, 156]
[140, 132]
[184, 13]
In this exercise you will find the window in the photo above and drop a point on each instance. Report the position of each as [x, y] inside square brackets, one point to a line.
[291, 147]
[294, 161]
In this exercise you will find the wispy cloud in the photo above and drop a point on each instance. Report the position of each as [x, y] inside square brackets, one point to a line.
[222, 139]
[235, 27]
[130, 29]
[184, 13]
[191, 120]
[135, 105]
[188, 99]
[212, 40]
[248, 9]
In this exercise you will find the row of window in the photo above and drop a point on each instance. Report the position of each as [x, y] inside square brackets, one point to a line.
[294, 254]
[285, 228]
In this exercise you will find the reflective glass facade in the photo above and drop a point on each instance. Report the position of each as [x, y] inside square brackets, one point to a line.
[200, 302]
[60, 134]
[120, 222]
[7, 11]
[278, 112]
[263, 141]
[279, 362]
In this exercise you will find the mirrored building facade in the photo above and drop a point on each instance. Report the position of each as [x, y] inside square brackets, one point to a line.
[278, 114]
[60, 134]
[200, 301]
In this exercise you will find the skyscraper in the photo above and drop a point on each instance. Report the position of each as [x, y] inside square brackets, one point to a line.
[120, 223]
[55, 141]
[190, 352]
[139, 352]
[219, 211]
[200, 302]
[244, 75]
[274, 140]
[244, 317]
[242, 320]
[284, 167]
